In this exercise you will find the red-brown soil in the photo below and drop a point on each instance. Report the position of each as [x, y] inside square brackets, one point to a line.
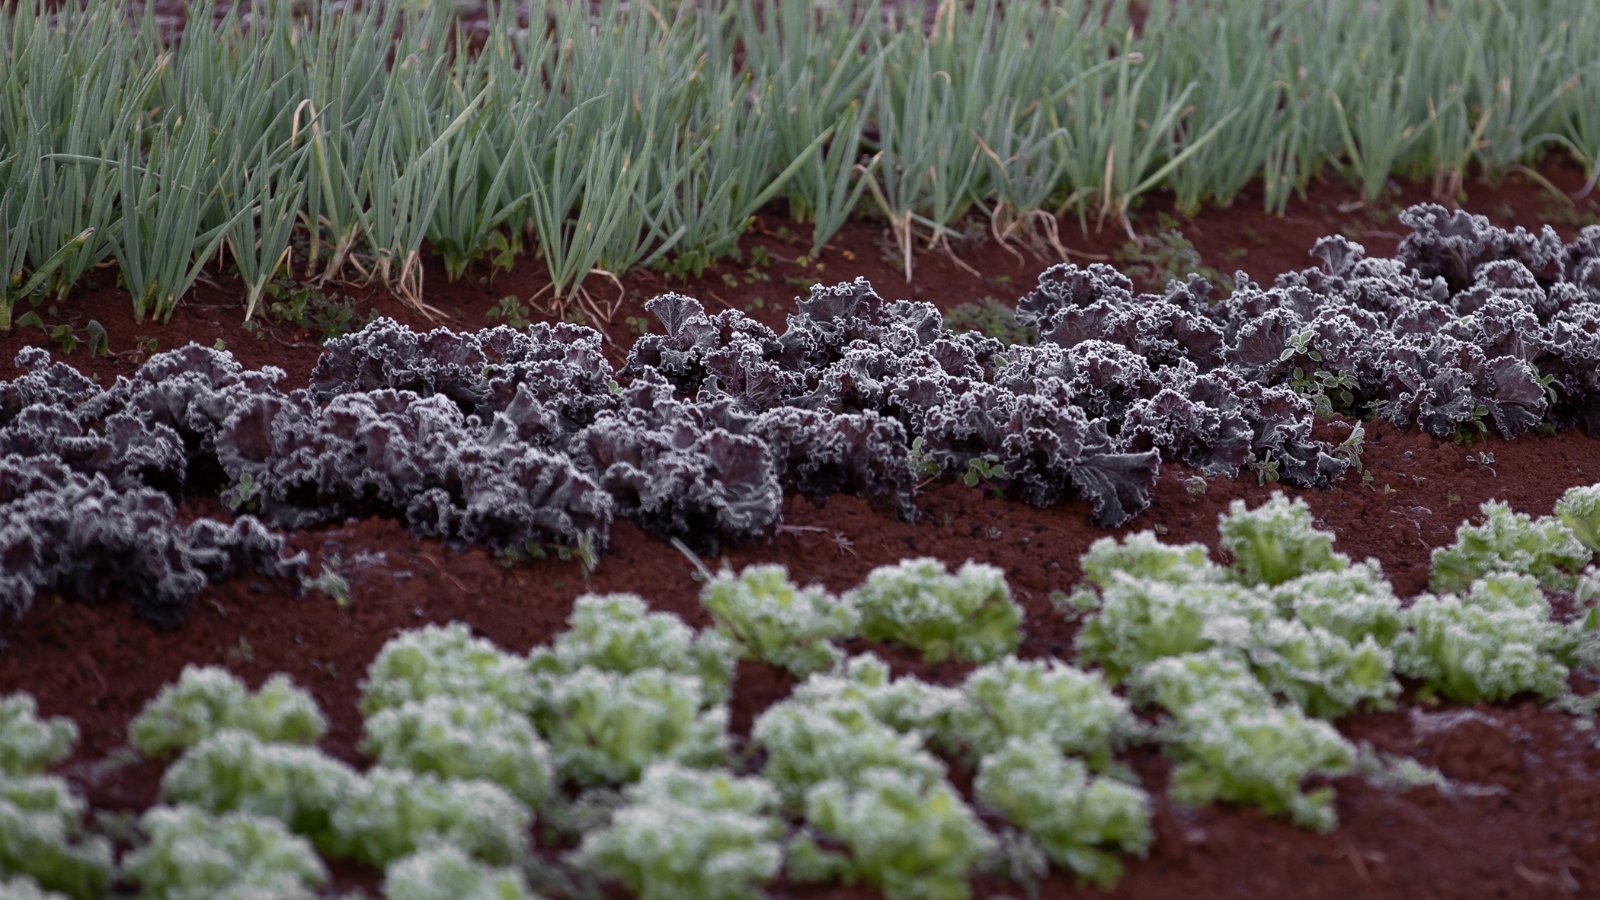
[1523, 819]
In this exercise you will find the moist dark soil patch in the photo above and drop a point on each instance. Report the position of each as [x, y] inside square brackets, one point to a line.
[1523, 819]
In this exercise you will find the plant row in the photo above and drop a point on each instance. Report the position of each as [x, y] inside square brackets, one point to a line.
[530, 442]
[322, 140]
[1468, 329]
[613, 738]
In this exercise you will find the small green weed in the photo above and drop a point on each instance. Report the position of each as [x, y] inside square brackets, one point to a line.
[1266, 470]
[584, 552]
[1165, 255]
[309, 308]
[991, 318]
[66, 338]
[511, 311]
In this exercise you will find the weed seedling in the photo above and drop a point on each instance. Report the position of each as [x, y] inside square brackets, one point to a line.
[329, 581]
[311, 309]
[1266, 470]
[981, 469]
[511, 311]
[1350, 448]
[1485, 459]
[990, 318]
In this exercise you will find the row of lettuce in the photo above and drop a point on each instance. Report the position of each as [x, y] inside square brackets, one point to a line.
[524, 441]
[614, 740]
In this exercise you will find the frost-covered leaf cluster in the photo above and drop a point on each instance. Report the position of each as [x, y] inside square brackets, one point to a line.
[44, 837]
[468, 741]
[192, 855]
[1315, 629]
[1276, 542]
[620, 633]
[447, 661]
[463, 739]
[89, 475]
[235, 771]
[849, 752]
[28, 744]
[390, 813]
[771, 619]
[1232, 740]
[444, 872]
[911, 838]
[298, 461]
[838, 726]
[1488, 632]
[1579, 510]
[1066, 708]
[1469, 327]
[1509, 541]
[685, 834]
[78, 535]
[1246, 660]
[1492, 641]
[609, 726]
[45, 843]
[209, 699]
[1083, 821]
[852, 752]
[968, 614]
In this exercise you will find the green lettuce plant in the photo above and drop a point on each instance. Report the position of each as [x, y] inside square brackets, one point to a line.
[1137, 621]
[444, 872]
[967, 615]
[463, 739]
[1353, 603]
[863, 682]
[43, 837]
[1586, 628]
[1143, 555]
[608, 727]
[1276, 542]
[770, 619]
[841, 741]
[29, 744]
[1491, 643]
[1579, 510]
[192, 855]
[392, 813]
[444, 661]
[683, 834]
[1232, 742]
[22, 887]
[208, 699]
[1322, 672]
[1510, 541]
[1083, 822]
[233, 770]
[618, 633]
[1069, 709]
[912, 839]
